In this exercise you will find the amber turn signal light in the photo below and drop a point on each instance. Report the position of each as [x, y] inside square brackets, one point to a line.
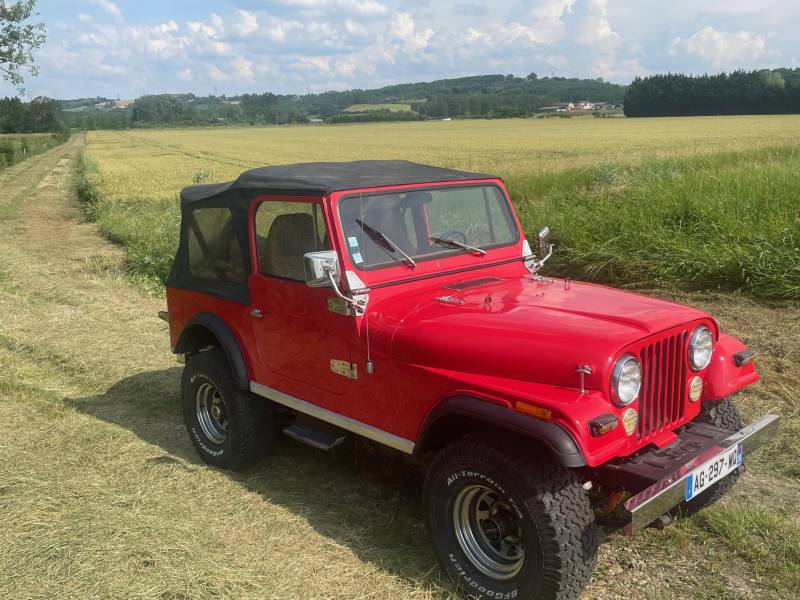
[533, 411]
[602, 424]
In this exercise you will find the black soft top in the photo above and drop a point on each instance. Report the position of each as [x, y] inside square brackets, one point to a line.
[321, 178]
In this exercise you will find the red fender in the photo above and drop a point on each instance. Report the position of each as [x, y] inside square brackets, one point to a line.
[723, 377]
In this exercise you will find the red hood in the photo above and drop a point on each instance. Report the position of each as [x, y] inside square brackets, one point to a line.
[525, 330]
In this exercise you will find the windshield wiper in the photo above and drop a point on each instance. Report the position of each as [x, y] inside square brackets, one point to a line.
[387, 244]
[459, 245]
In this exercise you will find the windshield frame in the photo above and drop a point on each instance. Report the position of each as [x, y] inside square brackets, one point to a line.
[445, 253]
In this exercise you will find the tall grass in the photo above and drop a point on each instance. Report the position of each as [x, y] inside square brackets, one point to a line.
[716, 222]
[15, 148]
[727, 221]
[147, 230]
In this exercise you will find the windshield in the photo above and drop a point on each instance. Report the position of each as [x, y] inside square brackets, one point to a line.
[383, 229]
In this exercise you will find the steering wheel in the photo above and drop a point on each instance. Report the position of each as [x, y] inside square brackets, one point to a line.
[449, 235]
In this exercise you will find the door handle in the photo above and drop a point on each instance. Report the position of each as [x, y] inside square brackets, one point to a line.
[256, 312]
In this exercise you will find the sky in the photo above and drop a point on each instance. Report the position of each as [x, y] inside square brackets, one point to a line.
[127, 48]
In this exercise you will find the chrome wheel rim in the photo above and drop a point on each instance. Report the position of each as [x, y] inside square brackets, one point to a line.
[211, 413]
[489, 532]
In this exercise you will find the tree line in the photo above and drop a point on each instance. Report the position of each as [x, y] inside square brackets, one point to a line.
[737, 93]
[484, 96]
[41, 115]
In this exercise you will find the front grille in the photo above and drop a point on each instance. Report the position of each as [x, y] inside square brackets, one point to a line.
[661, 399]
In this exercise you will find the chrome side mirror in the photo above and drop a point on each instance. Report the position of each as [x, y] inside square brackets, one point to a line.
[321, 268]
[545, 247]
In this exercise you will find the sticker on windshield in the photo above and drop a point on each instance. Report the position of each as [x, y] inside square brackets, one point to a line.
[353, 241]
[357, 258]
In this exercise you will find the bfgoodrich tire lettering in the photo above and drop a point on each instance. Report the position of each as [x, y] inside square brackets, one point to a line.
[237, 431]
[542, 501]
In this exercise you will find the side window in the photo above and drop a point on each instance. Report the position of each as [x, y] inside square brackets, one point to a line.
[214, 249]
[285, 231]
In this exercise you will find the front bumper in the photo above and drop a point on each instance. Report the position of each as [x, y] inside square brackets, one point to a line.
[663, 472]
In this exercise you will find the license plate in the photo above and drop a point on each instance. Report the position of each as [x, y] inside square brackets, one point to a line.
[712, 471]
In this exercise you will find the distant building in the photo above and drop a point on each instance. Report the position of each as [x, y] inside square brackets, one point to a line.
[317, 121]
[559, 107]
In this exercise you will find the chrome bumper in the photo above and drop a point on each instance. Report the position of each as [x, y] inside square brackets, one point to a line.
[664, 495]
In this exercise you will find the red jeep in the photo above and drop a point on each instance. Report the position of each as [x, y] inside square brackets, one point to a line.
[402, 302]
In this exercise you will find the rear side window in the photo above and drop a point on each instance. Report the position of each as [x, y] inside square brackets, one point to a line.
[285, 232]
[215, 252]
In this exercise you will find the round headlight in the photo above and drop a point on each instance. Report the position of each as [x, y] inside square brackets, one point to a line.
[701, 344]
[626, 379]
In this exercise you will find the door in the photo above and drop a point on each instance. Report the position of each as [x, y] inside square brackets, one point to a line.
[297, 336]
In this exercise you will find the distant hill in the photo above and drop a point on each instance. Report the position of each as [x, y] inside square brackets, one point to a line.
[483, 96]
[479, 96]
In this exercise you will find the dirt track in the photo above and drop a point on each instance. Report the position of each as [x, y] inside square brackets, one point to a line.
[101, 494]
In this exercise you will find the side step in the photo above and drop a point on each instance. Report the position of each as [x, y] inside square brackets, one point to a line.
[315, 433]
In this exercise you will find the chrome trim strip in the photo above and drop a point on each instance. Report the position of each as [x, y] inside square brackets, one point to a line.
[649, 504]
[362, 429]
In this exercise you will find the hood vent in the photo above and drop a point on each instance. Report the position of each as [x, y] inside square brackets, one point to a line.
[471, 283]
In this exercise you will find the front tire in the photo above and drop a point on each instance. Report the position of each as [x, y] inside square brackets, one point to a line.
[508, 525]
[229, 428]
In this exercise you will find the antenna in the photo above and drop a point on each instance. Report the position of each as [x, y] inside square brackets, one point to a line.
[370, 364]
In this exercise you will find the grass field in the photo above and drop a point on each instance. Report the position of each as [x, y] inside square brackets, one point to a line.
[358, 108]
[102, 493]
[692, 203]
[16, 147]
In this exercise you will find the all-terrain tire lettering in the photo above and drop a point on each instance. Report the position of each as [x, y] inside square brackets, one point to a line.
[249, 433]
[558, 523]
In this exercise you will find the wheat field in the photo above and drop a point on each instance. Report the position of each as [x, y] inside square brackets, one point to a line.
[155, 164]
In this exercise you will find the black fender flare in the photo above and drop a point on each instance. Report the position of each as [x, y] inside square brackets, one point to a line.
[552, 435]
[227, 341]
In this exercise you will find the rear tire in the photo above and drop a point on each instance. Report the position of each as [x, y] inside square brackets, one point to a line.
[723, 414]
[229, 428]
[508, 525]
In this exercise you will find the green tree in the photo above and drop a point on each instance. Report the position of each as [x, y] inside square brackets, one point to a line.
[18, 40]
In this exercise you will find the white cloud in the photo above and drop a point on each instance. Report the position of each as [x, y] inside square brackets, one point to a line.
[403, 28]
[246, 23]
[242, 69]
[217, 22]
[365, 8]
[356, 29]
[547, 25]
[201, 28]
[217, 74]
[722, 48]
[109, 7]
[332, 44]
[595, 29]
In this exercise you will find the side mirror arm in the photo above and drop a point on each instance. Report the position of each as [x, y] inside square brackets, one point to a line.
[358, 307]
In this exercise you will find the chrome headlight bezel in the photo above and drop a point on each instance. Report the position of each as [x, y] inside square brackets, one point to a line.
[700, 330]
[618, 373]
